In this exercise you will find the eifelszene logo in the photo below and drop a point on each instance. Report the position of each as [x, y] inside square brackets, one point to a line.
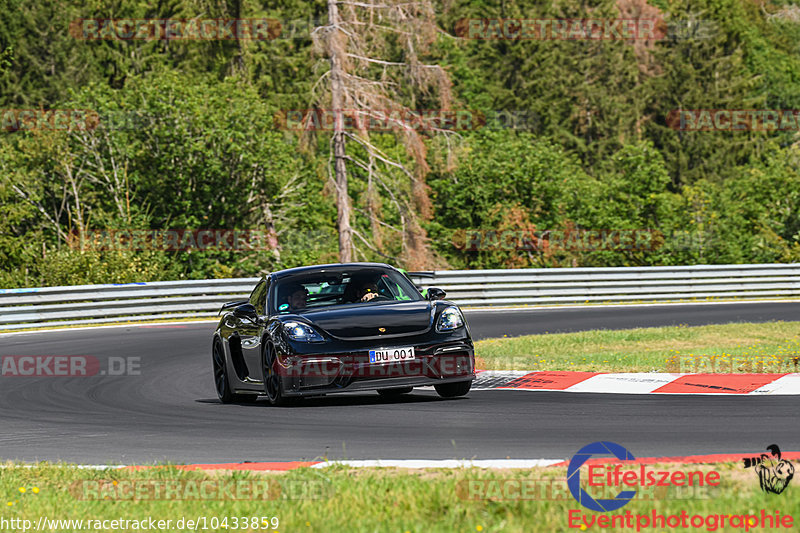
[607, 475]
[574, 476]
[774, 473]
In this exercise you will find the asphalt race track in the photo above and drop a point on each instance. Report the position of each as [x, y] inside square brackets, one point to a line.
[485, 324]
[168, 411]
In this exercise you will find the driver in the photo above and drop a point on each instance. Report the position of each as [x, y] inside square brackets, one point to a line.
[298, 297]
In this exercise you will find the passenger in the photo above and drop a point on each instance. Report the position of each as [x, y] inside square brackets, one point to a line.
[360, 290]
[367, 291]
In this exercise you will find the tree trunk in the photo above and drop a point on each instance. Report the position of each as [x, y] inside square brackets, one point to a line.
[339, 168]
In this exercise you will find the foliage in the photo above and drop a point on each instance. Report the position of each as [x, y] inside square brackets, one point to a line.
[186, 139]
[164, 155]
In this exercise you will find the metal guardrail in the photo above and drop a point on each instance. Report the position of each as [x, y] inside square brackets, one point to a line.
[97, 304]
[614, 285]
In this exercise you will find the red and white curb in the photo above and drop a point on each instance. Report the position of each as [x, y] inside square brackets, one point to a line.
[638, 383]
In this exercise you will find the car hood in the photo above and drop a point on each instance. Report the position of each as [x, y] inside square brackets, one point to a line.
[365, 320]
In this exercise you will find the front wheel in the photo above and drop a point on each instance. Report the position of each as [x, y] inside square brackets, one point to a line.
[273, 384]
[452, 390]
[221, 380]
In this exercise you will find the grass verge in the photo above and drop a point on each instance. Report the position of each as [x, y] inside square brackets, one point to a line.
[375, 500]
[745, 347]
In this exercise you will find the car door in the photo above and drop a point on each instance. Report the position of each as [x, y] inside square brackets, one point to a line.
[250, 331]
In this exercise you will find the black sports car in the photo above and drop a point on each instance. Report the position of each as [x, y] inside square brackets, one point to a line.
[316, 330]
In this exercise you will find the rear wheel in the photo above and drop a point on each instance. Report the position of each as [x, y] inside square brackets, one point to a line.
[394, 393]
[451, 390]
[273, 384]
[222, 382]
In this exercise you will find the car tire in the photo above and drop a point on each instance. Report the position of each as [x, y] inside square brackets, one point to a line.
[222, 382]
[394, 393]
[273, 384]
[452, 390]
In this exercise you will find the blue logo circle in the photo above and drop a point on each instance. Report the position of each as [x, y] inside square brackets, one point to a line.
[574, 476]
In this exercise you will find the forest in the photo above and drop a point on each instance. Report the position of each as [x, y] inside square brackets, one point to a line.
[448, 134]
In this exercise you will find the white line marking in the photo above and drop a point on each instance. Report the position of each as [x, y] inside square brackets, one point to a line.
[604, 306]
[55, 465]
[445, 463]
[132, 325]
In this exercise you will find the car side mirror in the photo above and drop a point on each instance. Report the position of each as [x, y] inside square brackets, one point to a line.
[435, 293]
[247, 311]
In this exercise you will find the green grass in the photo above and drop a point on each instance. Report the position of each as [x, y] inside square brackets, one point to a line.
[374, 500]
[767, 347]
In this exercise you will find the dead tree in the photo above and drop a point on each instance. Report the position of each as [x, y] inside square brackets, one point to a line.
[375, 76]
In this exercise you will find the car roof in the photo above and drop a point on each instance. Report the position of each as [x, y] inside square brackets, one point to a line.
[331, 267]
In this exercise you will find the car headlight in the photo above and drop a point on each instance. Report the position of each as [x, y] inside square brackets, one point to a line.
[449, 320]
[299, 331]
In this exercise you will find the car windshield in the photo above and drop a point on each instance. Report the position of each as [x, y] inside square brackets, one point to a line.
[328, 288]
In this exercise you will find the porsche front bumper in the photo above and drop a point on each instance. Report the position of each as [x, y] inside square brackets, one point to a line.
[313, 374]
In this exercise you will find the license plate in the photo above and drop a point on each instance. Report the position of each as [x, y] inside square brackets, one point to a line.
[391, 355]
